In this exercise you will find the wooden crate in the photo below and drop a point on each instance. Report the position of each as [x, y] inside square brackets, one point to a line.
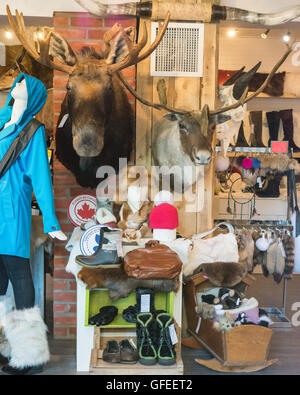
[244, 345]
[100, 367]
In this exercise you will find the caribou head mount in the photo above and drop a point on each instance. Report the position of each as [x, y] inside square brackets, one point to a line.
[204, 12]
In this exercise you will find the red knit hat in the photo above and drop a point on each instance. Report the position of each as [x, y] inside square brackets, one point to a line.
[164, 216]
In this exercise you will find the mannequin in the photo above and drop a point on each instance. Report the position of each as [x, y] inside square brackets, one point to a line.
[25, 350]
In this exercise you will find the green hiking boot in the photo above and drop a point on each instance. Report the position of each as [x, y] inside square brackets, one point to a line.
[146, 349]
[166, 352]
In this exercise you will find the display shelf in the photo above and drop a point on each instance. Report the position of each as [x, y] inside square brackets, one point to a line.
[99, 297]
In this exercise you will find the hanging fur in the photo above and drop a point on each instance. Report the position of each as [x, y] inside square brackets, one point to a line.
[26, 334]
[289, 247]
[246, 249]
[119, 284]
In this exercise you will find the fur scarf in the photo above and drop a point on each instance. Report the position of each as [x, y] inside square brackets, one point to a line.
[26, 334]
[119, 284]
[289, 248]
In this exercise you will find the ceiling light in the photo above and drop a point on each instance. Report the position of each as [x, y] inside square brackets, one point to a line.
[264, 35]
[287, 37]
[231, 32]
[8, 34]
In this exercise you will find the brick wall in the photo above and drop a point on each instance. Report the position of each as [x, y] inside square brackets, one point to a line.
[79, 29]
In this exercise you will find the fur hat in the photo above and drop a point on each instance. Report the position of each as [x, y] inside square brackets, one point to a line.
[164, 216]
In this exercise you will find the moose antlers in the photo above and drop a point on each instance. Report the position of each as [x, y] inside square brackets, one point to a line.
[44, 55]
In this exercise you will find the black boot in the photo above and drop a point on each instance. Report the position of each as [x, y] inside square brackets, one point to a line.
[288, 128]
[30, 370]
[146, 334]
[166, 352]
[256, 120]
[145, 299]
[100, 258]
[241, 140]
[273, 119]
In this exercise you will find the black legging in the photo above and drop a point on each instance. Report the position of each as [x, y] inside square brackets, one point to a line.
[17, 271]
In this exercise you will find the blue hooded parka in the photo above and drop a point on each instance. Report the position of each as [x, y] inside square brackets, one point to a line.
[29, 173]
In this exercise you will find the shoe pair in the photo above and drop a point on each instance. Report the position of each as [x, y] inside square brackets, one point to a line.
[154, 339]
[124, 352]
[105, 316]
[130, 313]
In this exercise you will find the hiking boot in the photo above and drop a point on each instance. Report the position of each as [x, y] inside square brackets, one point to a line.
[166, 352]
[145, 331]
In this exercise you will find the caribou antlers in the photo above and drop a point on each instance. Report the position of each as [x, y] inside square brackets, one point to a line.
[243, 99]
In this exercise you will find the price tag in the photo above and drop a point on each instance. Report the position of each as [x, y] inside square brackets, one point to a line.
[280, 147]
[63, 120]
[173, 335]
[145, 303]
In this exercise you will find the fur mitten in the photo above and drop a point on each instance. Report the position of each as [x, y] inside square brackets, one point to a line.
[26, 334]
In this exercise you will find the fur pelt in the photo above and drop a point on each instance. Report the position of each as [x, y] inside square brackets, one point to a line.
[223, 274]
[135, 225]
[246, 249]
[289, 248]
[119, 284]
[26, 334]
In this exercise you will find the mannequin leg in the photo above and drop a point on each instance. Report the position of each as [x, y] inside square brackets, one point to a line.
[256, 119]
[24, 329]
[19, 273]
[3, 278]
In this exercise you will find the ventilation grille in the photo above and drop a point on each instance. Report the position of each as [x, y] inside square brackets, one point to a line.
[180, 52]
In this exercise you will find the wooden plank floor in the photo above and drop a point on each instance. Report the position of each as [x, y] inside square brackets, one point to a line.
[285, 343]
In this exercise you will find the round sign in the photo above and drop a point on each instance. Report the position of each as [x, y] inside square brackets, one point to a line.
[81, 209]
[90, 240]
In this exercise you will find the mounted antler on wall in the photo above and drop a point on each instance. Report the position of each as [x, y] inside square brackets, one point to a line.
[204, 12]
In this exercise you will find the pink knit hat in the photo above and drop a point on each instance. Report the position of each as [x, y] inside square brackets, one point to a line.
[163, 216]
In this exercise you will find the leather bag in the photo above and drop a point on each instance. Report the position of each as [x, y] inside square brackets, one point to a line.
[155, 261]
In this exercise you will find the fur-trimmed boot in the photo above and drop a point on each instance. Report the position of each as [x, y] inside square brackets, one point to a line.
[26, 334]
[7, 304]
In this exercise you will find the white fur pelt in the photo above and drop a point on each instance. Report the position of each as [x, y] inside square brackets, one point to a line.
[277, 163]
[26, 334]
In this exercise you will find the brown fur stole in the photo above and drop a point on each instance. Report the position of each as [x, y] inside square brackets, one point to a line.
[223, 274]
[120, 285]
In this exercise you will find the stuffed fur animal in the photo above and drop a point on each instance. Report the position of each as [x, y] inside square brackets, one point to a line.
[206, 311]
[246, 249]
[223, 274]
[119, 284]
[223, 323]
[228, 298]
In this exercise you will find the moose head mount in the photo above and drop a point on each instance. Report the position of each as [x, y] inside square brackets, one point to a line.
[99, 129]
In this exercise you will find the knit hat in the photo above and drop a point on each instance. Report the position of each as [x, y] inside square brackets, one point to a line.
[163, 216]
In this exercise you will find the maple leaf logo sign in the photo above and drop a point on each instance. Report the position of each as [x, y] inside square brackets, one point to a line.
[86, 212]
